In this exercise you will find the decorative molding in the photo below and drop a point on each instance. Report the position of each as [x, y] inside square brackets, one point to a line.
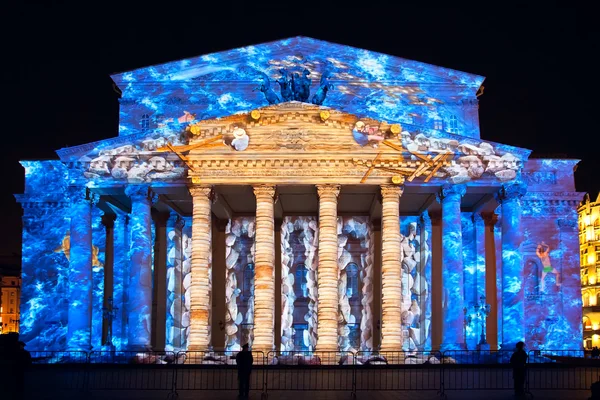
[567, 224]
[448, 191]
[264, 191]
[391, 191]
[511, 192]
[138, 192]
[539, 177]
[328, 190]
[201, 190]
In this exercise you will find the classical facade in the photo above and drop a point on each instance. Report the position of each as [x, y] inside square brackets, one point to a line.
[299, 195]
[589, 239]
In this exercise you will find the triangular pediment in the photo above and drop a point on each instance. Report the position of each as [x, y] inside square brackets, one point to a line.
[346, 63]
[346, 78]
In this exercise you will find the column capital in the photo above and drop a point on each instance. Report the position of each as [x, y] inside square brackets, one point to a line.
[264, 190]
[179, 222]
[451, 191]
[160, 218]
[425, 218]
[201, 190]
[108, 220]
[391, 191]
[490, 218]
[477, 217]
[511, 192]
[138, 192]
[328, 190]
[79, 194]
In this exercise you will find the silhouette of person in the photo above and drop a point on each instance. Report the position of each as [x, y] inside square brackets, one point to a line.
[244, 363]
[519, 363]
[595, 352]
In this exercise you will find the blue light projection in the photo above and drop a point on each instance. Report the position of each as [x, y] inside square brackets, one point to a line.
[537, 265]
[98, 258]
[452, 267]
[356, 81]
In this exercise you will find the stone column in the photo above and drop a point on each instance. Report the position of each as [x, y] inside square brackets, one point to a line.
[513, 291]
[79, 329]
[391, 270]
[200, 288]
[108, 220]
[452, 268]
[159, 289]
[140, 271]
[491, 291]
[327, 272]
[425, 301]
[479, 227]
[264, 278]
[121, 264]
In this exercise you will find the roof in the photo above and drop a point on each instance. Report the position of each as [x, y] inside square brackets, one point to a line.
[346, 62]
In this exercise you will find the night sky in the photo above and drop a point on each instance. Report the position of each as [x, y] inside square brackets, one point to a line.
[541, 87]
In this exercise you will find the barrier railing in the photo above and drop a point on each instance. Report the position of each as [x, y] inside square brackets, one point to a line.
[170, 372]
[215, 370]
[398, 371]
[316, 371]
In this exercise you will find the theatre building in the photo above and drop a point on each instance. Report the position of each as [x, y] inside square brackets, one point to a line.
[299, 195]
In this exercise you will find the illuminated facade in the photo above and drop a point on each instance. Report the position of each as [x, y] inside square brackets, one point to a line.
[299, 195]
[10, 299]
[589, 239]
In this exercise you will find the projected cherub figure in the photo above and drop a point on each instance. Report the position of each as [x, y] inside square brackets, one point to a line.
[543, 252]
[365, 134]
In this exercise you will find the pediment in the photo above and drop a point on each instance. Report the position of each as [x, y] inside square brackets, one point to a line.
[346, 63]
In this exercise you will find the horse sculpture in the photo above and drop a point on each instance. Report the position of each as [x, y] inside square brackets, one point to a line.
[285, 85]
[324, 86]
[265, 88]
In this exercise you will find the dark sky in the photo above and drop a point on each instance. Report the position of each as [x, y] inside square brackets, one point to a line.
[541, 87]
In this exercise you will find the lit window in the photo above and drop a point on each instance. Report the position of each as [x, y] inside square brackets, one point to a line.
[248, 287]
[145, 122]
[12, 293]
[300, 286]
[352, 282]
[453, 128]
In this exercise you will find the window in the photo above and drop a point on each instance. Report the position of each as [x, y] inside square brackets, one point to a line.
[145, 122]
[247, 286]
[299, 336]
[12, 310]
[352, 282]
[587, 323]
[12, 283]
[300, 285]
[586, 300]
[12, 301]
[438, 124]
[12, 293]
[453, 128]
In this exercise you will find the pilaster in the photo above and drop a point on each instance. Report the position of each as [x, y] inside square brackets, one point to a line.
[79, 329]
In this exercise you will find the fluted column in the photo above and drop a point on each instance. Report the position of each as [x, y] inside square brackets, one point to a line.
[513, 291]
[79, 329]
[452, 268]
[391, 270]
[140, 271]
[264, 278]
[200, 288]
[327, 272]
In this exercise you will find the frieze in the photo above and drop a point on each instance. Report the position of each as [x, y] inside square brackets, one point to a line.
[539, 177]
[533, 195]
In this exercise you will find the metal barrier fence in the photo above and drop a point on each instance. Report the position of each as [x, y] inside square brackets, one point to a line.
[310, 371]
[170, 372]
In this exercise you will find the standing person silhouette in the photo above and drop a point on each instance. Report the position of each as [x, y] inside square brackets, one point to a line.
[244, 363]
[519, 363]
